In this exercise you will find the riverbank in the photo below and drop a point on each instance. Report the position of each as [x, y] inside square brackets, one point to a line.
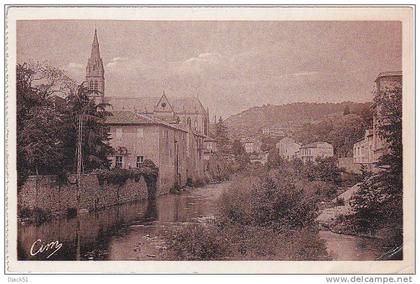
[339, 233]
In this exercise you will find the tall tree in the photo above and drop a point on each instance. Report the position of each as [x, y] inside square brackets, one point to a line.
[39, 147]
[95, 139]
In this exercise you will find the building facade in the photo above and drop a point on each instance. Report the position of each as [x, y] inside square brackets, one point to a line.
[251, 145]
[368, 150]
[310, 152]
[170, 133]
[176, 151]
[288, 148]
[384, 81]
[363, 150]
[180, 110]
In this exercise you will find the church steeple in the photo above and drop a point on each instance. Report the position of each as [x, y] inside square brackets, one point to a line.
[95, 71]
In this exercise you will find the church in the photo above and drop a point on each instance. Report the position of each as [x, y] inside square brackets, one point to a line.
[177, 110]
[171, 132]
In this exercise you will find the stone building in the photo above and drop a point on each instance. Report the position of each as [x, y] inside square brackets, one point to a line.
[251, 145]
[177, 151]
[174, 110]
[170, 132]
[310, 152]
[384, 81]
[368, 150]
[363, 150]
[288, 148]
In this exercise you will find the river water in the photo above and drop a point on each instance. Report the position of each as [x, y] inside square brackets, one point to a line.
[133, 231]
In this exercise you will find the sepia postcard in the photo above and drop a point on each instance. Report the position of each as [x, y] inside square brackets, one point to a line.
[249, 139]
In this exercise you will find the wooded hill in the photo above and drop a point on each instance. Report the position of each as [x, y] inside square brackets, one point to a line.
[251, 121]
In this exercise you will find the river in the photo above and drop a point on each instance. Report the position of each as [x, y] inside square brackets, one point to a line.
[133, 231]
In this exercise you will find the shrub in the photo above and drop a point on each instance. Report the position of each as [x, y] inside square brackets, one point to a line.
[41, 216]
[118, 176]
[274, 200]
[197, 242]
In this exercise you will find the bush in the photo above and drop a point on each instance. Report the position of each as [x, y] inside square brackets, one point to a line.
[275, 200]
[37, 215]
[148, 170]
[41, 216]
[197, 242]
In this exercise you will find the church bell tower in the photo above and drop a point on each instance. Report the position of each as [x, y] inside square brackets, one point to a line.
[95, 72]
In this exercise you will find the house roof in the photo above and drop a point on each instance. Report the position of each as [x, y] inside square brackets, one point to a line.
[148, 104]
[286, 140]
[130, 118]
[388, 74]
[315, 145]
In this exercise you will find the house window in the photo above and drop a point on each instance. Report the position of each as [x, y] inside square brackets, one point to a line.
[91, 85]
[139, 161]
[118, 132]
[139, 132]
[96, 85]
[118, 161]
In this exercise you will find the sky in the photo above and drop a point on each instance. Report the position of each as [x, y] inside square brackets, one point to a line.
[229, 66]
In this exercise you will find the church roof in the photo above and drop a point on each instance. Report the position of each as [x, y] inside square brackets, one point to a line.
[130, 118]
[148, 104]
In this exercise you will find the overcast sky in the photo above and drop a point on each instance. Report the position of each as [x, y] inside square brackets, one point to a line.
[230, 66]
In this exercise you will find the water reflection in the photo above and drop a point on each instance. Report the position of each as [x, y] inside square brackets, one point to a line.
[132, 231]
[92, 236]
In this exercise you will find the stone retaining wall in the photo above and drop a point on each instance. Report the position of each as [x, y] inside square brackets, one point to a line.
[46, 193]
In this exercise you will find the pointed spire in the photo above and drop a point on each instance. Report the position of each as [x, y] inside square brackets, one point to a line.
[95, 47]
[95, 38]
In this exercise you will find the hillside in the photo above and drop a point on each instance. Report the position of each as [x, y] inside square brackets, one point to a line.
[251, 121]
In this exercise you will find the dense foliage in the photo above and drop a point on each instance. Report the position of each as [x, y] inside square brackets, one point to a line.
[47, 123]
[221, 136]
[342, 131]
[250, 122]
[378, 203]
[267, 213]
[95, 138]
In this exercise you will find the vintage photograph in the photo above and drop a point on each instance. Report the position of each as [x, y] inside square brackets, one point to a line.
[153, 140]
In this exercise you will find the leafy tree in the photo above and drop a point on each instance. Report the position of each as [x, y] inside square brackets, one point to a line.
[95, 139]
[222, 138]
[39, 147]
[340, 131]
[378, 203]
[47, 131]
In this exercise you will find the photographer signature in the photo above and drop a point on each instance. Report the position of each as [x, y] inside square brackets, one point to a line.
[40, 247]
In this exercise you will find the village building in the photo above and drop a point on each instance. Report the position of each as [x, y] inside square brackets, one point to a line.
[210, 147]
[363, 150]
[173, 110]
[259, 158]
[288, 148]
[275, 131]
[170, 133]
[251, 145]
[368, 150]
[310, 152]
[384, 81]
